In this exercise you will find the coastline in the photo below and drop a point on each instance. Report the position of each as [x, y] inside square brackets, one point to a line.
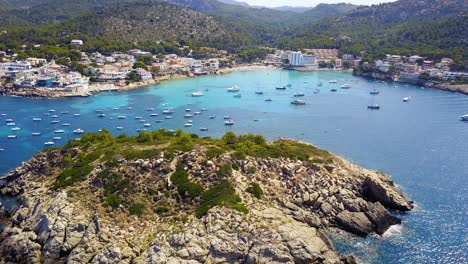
[95, 88]
[455, 88]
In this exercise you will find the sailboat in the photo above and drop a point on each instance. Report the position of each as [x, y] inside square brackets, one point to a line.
[373, 106]
[281, 86]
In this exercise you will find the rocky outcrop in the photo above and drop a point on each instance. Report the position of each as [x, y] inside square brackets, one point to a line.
[302, 200]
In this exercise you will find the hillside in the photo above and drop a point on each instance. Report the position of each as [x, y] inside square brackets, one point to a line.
[171, 197]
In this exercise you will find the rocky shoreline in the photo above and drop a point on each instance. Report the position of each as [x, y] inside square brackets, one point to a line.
[444, 86]
[300, 202]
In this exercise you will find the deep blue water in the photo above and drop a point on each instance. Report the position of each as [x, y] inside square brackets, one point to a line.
[421, 144]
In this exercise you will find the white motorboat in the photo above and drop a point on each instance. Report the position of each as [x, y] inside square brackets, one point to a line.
[36, 134]
[227, 117]
[280, 87]
[138, 117]
[373, 107]
[407, 99]
[150, 109]
[268, 100]
[119, 128]
[188, 116]
[197, 94]
[464, 118]
[345, 86]
[9, 120]
[122, 117]
[11, 136]
[54, 116]
[49, 143]
[228, 123]
[51, 110]
[158, 121]
[238, 95]
[37, 119]
[374, 92]
[154, 114]
[15, 129]
[299, 94]
[55, 121]
[333, 81]
[78, 131]
[258, 92]
[168, 111]
[197, 113]
[188, 125]
[11, 124]
[204, 109]
[188, 110]
[76, 115]
[233, 89]
[147, 124]
[101, 115]
[298, 102]
[203, 129]
[57, 138]
[59, 131]
[212, 117]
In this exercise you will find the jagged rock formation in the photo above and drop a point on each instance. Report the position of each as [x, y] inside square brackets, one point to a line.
[300, 201]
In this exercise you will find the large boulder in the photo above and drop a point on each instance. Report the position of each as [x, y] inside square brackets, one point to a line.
[380, 217]
[385, 192]
[355, 222]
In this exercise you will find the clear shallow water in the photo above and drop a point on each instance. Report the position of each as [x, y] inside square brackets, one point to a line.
[422, 144]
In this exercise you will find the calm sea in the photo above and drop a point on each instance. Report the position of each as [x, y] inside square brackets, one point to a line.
[422, 144]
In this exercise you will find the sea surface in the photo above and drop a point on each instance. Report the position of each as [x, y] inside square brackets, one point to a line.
[422, 144]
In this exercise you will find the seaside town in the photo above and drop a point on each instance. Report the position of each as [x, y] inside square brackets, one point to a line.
[95, 72]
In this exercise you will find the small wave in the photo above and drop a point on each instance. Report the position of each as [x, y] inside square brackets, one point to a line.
[393, 231]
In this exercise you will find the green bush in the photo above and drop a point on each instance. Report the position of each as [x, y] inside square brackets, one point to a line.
[224, 171]
[255, 189]
[251, 170]
[162, 210]
[136, 209]
[113, 200]
[186, 188]
[222, 194]
[235, 166]
[133, 154]
[213, 152]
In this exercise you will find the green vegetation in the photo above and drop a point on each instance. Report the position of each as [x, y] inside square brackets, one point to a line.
[222, 194]
[136, 209]
[224, 171]
[186, 188]
[255, 189]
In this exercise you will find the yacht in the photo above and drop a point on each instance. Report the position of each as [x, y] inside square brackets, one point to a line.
[233, 89]
[141, 129]
[333, 81]
[11, 124]
[258, 92]
[238, 95]
[197, 94]
[119, 128]
[9, 120]
[228, 123]
[76, 115]
[59, 131]
[188, 125]
[188, 110]
[464, 118]
[55, 121]
[203, 129]
[51, 110]
[142, 121]
[168, 117]
[64, 112]
[138, 117]
[11, 136]
[36, 134]
[49, 143]
[168, 111]
[15, 129]
[101, 115]
[317, 91]
[78, 131]
[281, 87]
[122, 117]
[57, 138]
[154, 114]
[1, 149]
[158, 121]
[37, 119]
[197, 113]
[268, 100]
[150, 109]
[129, 108]
[373, 107]
[190, 121]
[188, 116]
[374, 92]
[54, 116]
[407, 99]
[299, 94]
[345, 86]
[98, 111]
[66, 124]
[116, 108]
[146, 124]
[204, 109]
[333, 90]
[227, 117]
[298, 102]
[212, 117]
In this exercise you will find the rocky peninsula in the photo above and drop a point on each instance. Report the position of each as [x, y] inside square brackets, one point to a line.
[165, 197]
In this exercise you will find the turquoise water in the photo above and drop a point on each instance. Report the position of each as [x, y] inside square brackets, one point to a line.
[422, 144]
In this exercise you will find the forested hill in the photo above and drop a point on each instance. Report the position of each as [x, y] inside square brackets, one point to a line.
[428, 27]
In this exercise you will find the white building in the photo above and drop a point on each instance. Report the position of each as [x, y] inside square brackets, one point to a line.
[113, 75]
[296, 59]
[214, 65]
[36, 61]
[309, 60]
[13, 68]
[144, 74]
